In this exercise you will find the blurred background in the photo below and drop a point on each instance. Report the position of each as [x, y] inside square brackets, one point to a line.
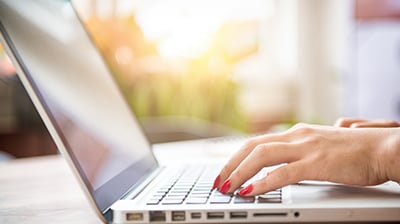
[194, 69]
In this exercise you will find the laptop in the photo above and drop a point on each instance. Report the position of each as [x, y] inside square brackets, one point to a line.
[100, 137]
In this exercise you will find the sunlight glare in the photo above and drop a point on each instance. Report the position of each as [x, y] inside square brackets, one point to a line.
[185, 28]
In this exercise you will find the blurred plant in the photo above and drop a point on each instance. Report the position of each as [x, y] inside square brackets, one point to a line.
[201, 87]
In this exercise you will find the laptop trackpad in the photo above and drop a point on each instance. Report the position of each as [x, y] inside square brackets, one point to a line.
[325, 193]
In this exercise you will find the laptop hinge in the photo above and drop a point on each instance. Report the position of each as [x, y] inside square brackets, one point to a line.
[108, 216]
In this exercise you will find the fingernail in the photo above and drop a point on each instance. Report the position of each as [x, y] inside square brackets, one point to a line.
[216, 182]
[225, 186]
[246, 190]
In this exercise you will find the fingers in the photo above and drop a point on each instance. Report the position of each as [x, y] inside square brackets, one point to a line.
[258, 159]
[361, 123]
[347, 122]
[268, 150]
[263, 155]
[238, 157]
[376, 124]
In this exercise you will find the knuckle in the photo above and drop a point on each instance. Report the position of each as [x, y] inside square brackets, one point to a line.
[249, 144]
[301, 129]
[260, 150]
[316, 139]
[306, 130]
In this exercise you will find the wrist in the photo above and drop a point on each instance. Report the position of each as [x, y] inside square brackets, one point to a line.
[391, 160]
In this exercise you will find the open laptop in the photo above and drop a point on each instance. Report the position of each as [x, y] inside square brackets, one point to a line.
[99, 136]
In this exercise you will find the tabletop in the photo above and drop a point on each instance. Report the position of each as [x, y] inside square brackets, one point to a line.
[42, 190]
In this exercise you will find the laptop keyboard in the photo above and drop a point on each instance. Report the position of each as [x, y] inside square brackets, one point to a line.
[194, 186]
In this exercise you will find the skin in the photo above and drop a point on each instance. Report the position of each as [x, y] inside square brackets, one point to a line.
[353, 151]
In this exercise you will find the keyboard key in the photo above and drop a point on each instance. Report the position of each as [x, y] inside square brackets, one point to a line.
[160, 195]
[173, 197]
[224, 199]
[201, 192]
[243, 200]
[154, 197]
[153, 202]
[184, 185]
[181, 189]
[172, 202]
[177, 194]
[269, 200]
[273, 193]
[220, 200]
[217, 194]
[197, 186]
[269, 196]
[199, 195]
[196, 200]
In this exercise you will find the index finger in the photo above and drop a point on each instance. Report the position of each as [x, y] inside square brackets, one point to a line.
[264, 155]
[242, 153]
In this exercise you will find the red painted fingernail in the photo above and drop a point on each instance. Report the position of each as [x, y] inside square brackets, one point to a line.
[225, 186]
[216, 182]
[246, 190]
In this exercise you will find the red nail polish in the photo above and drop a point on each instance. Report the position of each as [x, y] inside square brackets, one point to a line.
[225, 186]
[216, 182]
[246, 190]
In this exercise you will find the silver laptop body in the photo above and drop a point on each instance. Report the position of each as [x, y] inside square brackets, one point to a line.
[99, 136]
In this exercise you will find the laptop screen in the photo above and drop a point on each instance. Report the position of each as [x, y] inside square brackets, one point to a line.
[85, 107]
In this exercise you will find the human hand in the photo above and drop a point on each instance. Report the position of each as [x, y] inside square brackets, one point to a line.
[362, 123]
[311, 152]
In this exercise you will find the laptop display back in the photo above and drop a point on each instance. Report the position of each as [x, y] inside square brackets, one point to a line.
[81, 104]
